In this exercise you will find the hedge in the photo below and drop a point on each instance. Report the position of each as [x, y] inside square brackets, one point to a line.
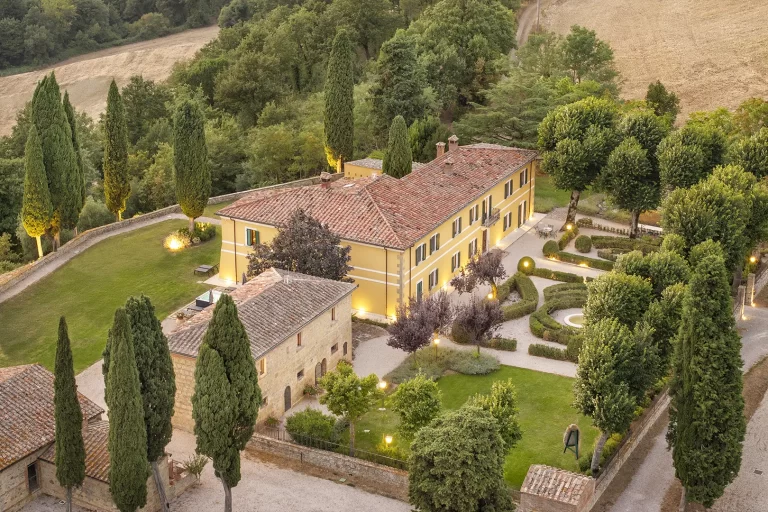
[556, 275]
[556, 289]
[568, 257]
[618, 242]
[529, 297]
[550, 248]
[569, 235]
[503, 344]
[537, 349]
[543, 326]
[611, 254]
[583, 243]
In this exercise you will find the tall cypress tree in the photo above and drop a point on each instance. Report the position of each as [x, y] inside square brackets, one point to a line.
[116, 185]
[339, 103]
[79, 178]
[128, 468]
[70, 449]
[398, 157]
[190, 158]
[707, 425]
[58, 155]
[36, 209]
[158, 382]
[227, 341]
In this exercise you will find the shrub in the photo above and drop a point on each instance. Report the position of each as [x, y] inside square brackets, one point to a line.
[556, 275]
[574, 347]
[503, 344]
[472, 363]
[203, 232]
[583, 243]
[584, 260]
[537, 349]
[529, 297]
[569, 235]
[526, 265]
[434, 364]
[674, 243]
[310, 423]
[551, 292]
[584, 222]
[620, 242]
[195, 464]
[93, 215]
[611, 254]
[177, 240]
[459, 334]
[550, 248]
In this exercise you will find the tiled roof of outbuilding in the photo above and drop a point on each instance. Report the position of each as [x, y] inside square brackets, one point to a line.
[95, 438]
[386, 211]
[272, 306]
[377, 164]
[27, 411]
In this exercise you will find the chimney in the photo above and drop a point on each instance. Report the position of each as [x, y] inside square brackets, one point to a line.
[325, 180]
[453, 143]
[440, 149]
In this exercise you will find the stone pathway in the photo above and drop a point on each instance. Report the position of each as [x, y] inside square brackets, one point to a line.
[37, 274]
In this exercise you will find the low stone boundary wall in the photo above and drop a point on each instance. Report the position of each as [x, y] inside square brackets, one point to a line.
[392, 482]
[629, 444]
[72, 247]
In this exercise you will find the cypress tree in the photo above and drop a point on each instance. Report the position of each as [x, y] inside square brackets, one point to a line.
[339, 103]
[128, 469]
[36, 209]
[158, 382]
[116, 185]
[79, 178]
[70, 449]
[222, 438]
[398, 157]
[190, 158]
[707, 424]
[58, 155]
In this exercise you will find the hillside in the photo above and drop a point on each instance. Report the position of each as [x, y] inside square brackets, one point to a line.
[710, 52]
[87, 77]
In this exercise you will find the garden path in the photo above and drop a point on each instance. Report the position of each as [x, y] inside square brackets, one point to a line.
[37, 274]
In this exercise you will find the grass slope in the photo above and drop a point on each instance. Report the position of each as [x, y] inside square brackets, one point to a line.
[89, 288]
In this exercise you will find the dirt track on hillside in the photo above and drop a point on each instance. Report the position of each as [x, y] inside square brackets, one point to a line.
[710, 52]
[87, 77]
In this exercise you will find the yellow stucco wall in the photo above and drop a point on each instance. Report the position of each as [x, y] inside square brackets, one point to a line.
[356, 171]
[387, 276]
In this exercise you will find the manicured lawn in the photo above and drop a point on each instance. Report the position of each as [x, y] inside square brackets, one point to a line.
[89, 288]
[211, 209]
[547, 196]
[545, 412]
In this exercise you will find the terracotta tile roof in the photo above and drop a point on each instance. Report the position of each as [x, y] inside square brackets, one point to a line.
[377, 164]
[27, 413]
[272, 306]
[557, 484]
[386, 211]
[95, 438]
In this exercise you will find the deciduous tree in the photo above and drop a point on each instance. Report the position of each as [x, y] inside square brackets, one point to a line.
[664, 103]
[688, 155]
[502, 404]
[751, 153]
[707, 424]
[303, 245]
[416, 323]
[486, 268]
[349, 396]
[36, 209]
[190, 154]
[116, 184]
[457, 464]
[70, 449]
[480, 319]
[339, 103]
[417, 402]
[398, 158]
[586, 56]
[128, 468]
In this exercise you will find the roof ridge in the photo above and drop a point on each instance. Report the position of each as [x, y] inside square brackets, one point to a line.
[251, 199]
[378, 210]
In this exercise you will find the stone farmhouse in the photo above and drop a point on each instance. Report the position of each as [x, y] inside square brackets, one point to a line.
[298, 326]
[409, 236]
[27, 449]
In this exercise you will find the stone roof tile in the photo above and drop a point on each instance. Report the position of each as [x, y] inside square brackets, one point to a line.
[95, 438]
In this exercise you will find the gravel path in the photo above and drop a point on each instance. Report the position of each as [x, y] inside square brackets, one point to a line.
[375, 356]
[39, 273]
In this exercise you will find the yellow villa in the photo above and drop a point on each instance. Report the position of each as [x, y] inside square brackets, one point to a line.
[408, 236]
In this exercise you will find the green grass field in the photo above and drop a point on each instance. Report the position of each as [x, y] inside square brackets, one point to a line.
[545, 412]
[211, 209]
[89, 288]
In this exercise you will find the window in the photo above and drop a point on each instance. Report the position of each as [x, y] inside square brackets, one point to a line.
[473, 214]
[300, 375]
[455, 261]
[262, 366]
[524, 177]
[472, 248]
[434, 243]
[433, 279]
[333, 314]
[421, 253]
[456, 226]
[335, 348]
[522, 213]
[32, 477]
[507, 189]
[298, 340]
[419, 289]
[507, 221]
[252, 237]
[345, 348]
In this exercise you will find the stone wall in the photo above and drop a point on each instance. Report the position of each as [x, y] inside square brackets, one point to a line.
[282, 365]
[95, 493]
[73, 246]
[390, 481]
[14, 489]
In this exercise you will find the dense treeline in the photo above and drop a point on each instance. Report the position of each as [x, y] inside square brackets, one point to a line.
[38, 31]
